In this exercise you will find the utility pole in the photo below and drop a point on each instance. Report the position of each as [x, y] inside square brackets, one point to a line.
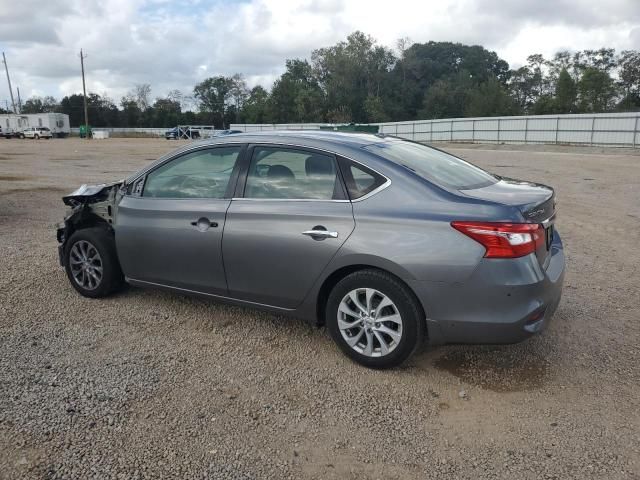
[84, 94]
[6, 68]
[19, 101]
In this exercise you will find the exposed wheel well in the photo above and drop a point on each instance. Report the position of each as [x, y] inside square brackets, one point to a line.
[81, 220]
[338, 275]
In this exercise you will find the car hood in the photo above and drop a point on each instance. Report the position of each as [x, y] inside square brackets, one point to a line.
[89, 193]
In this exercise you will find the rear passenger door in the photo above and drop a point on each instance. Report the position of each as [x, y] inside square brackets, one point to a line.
[289, 217]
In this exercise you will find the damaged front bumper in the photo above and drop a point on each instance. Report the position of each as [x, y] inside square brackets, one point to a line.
[91, 205]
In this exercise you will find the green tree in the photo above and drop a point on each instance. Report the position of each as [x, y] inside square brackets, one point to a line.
[629, 74]
[238, 95]
[352, 71]
[166, 112]
[256, 106]
[72, 105]
[212, 95]
[296, 96]
[545, 105]
[596, 91]
[374, 109]
[523, 88]
[447, 98]
[603, 59]
[425, 64]
[566, 93]
[32, 105]
[489, 99]
[130, 114]
[535, 64]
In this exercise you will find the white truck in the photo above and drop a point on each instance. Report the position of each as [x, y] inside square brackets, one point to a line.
[13, 125]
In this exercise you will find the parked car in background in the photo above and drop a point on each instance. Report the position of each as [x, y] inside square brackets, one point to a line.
[222, 133]
[36, 132]
[386, 242]
[8, 132]
[177, 133]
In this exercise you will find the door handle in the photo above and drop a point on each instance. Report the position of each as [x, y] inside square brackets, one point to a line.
[204, 223]
[320, 233]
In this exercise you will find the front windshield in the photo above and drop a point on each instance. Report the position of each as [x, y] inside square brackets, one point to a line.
[434, 165]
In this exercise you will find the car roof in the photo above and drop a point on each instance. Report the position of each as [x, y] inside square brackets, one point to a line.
[331, 140]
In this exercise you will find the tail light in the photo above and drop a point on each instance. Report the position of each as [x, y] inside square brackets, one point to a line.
[504, 240]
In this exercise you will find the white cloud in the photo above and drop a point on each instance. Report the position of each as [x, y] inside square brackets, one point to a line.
[174, 44]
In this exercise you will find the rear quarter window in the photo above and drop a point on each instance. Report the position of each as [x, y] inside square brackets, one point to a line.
[360, 180]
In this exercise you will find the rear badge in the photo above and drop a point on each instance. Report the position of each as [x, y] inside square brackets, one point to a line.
[535, 213]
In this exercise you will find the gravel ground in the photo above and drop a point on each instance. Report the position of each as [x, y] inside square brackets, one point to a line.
[153, 385]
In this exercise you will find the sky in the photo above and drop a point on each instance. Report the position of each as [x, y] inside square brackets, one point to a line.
[173, 44]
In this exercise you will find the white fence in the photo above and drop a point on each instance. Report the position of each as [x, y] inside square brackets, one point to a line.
[159, 132]
[605, 129]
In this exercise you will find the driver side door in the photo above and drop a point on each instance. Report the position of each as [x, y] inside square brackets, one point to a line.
[170, 232]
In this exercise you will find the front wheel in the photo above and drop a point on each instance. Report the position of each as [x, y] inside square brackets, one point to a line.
[91, 262]
[375, 319]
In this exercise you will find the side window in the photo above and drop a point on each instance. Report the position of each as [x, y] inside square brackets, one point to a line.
[284, 173]
[359, 179]
[200, 174]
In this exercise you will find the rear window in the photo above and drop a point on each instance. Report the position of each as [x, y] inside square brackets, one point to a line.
[434, 165]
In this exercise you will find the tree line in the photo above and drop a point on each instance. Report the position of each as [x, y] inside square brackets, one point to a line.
[358, 80]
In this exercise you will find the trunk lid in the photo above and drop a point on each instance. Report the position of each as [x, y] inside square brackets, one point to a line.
[536, 203]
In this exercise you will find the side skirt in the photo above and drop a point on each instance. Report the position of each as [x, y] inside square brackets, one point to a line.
[221, 298]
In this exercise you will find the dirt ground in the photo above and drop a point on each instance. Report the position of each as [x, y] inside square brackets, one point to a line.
[148, 384]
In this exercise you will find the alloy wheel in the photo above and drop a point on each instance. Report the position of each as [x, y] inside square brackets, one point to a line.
[370, 322]
[86, 265]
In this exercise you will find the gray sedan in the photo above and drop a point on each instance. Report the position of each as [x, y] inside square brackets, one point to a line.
[386, 242]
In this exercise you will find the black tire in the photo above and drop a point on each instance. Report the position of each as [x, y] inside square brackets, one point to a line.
[37, 137]
[413, 321]
[21, 136]
[103, 241]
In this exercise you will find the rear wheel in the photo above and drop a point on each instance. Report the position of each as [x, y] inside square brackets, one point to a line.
[91, 262]
[375, 319]
[37, 137]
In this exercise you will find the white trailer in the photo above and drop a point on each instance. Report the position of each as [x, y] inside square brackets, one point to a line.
[58, 123]
[11, 125]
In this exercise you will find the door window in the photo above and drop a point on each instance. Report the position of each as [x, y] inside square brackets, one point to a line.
[282, 173]
[200, 174]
